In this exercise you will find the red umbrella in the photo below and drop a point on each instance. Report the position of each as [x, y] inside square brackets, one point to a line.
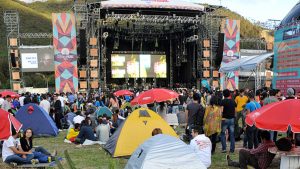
[123, 93]
[154, 95]
[6, 122]
[277, 116]
[11, 93]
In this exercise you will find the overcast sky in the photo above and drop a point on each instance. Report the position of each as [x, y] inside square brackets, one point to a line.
[260, 10]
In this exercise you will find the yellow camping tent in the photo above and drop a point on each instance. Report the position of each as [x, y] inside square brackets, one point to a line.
[136, 129]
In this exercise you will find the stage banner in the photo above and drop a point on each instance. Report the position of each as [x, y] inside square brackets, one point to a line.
[287, 58]
[65, 52]
[231, 30]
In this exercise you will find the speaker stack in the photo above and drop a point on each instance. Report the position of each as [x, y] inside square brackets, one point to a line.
[15, 64]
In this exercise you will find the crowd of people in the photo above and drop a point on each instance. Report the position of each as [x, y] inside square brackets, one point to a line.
[211, 116]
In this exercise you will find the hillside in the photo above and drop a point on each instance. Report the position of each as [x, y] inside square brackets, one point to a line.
[248, 29]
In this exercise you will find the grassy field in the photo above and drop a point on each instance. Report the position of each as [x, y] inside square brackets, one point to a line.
[94, 157]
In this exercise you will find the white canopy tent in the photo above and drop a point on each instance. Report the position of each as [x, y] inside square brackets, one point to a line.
[251, 63]
[158, 4]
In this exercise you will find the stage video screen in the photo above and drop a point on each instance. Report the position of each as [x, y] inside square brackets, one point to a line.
[138, 66]
[37, 58]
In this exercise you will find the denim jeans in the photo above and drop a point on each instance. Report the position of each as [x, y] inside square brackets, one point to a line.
[42, 150]
[16, 158]
[228, 123]
[41, 157]
[252, 137]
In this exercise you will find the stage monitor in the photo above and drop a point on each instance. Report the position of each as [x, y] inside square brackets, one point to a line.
[37, 58]
[138, 65]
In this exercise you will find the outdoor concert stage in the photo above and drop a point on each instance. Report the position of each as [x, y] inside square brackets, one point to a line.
[147, 42]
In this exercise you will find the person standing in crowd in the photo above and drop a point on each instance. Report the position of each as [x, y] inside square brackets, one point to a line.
[57, 112]
[27, 98]
[61, 99]
[6, 105]
[212, 121]
[271, 99]
[21, 99]
[257, 158]
[251, 131]
[45, 104]
[71, 98]
[194, 115]
[240, 101]
[189, 99]
[201, 145]
[228, 117]
[1, 100]
[113, 103]
[161, 109]
[290, 93]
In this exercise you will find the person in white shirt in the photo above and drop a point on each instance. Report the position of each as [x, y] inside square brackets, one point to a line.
[45, 104]
[78, 118]
[201, 145]
[1, 100]
[21, 100]
[12, 151]
[6, 105]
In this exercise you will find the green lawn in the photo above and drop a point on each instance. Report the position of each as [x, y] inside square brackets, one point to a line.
[94, 157]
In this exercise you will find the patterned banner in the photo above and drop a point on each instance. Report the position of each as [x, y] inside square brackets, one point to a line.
[231, 52]
[65, 52]
[287, 58]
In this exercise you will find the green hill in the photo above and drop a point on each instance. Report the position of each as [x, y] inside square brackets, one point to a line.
[248, 29]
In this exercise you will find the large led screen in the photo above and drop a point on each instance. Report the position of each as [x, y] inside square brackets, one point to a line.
[138, 66]
[37, 58]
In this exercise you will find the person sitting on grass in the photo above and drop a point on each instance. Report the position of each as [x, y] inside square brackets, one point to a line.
[201, 145]
[86, 132]
[12, 152]
[102, 130]
[258, 158]
[73, 133]
[39, 153]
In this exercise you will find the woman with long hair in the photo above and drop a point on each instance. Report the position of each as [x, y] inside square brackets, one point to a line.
[212, 121]
[41, 154]
[113, 103]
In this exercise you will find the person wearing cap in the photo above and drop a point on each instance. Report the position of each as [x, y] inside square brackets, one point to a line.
[290, 93]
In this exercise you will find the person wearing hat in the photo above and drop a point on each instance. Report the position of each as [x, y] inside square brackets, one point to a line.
[290, 93]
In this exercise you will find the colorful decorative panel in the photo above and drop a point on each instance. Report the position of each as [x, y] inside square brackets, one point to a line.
[287, 58]
[231, 52]
[65, 52]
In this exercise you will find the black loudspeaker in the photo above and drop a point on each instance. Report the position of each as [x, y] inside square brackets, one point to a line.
[220, 49]
[82, 47]
[13, 60]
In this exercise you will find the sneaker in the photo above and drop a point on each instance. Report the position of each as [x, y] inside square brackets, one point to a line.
[34, 161]
[13, 164]
[67, 141]
[224, 151]
[59, 130]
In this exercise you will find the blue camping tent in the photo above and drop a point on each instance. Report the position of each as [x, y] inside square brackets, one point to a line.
[103, 110]
[35, 117]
